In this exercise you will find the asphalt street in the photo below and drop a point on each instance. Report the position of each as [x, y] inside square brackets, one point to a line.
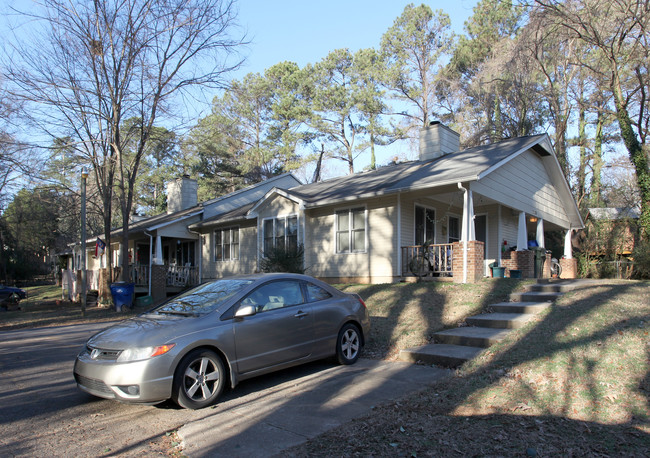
[42, 413]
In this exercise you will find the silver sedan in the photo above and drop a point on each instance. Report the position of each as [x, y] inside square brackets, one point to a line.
[220, 333]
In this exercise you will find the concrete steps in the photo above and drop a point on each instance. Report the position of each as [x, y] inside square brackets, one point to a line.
[455, 346]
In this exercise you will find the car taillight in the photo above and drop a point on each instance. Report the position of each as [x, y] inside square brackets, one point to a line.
[362, 303]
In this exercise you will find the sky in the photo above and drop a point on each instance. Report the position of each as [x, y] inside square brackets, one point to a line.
[306, 31]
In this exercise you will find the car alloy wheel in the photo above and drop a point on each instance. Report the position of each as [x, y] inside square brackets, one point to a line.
[199, 379]
[348, 344]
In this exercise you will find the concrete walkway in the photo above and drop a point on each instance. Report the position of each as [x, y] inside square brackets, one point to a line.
[268, 416]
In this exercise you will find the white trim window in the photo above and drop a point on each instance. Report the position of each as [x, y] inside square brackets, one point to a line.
[351, 230]
[226, 244]
[280, 233]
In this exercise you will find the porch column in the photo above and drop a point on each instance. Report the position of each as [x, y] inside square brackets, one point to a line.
[119, 255]
[568, 254]
[540, 233]
[522, 236]
[468, 231]
[158, 260]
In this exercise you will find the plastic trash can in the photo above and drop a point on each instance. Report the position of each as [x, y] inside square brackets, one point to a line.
[498, 272]
[122, 293]
[143, 301]
[540, 257]
[515, 273]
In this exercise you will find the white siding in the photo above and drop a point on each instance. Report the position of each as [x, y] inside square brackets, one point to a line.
[524, 184]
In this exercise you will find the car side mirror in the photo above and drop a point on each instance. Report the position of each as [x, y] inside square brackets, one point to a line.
[245, 310]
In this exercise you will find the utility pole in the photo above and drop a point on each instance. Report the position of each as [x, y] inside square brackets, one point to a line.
[84, 176]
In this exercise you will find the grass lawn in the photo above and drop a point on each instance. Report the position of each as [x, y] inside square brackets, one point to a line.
[43, 307]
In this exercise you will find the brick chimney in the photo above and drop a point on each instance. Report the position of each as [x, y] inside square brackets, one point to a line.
[436, 140]
[181, 194]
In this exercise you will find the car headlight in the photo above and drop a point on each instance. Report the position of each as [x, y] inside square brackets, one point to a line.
[137, 354]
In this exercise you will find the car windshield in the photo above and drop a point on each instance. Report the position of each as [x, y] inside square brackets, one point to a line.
[202, 299]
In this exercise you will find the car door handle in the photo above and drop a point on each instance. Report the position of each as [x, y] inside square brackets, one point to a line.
[301, 314]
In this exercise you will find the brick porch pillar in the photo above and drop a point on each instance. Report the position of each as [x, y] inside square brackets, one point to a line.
[475, 269]
[569, 268]
[158, 283]
[546, 270]
[519, 260]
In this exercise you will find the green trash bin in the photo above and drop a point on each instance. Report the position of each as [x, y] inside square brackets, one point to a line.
[540, 257]
[498, 272]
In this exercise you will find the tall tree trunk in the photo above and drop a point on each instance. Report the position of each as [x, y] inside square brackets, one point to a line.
[637, 155]
[581, 174]
[597, 164]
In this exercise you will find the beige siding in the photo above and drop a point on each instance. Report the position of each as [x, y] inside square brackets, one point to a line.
[247, 262]
[377, 264]
[524, 184]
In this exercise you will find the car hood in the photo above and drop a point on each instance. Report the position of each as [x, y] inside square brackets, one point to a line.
[145, 331]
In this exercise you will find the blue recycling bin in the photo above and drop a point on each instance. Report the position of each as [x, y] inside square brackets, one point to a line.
[122, 293]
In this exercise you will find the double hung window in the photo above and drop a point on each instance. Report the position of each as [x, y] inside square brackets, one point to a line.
[351, 230]
[281, 233]
[226, 244]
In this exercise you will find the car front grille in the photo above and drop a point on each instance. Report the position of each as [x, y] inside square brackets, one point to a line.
[93, 384]
[101, 354]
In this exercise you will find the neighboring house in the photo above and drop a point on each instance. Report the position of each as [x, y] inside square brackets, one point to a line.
[610, 232]
[165, 240]
[368, 227]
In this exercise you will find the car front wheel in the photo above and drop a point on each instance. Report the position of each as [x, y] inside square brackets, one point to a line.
[199, 379]
[348, 345]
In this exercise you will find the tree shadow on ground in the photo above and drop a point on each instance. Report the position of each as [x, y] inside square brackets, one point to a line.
[573, 382]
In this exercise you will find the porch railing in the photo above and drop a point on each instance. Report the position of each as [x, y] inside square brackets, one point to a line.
[427, 261]
[182, 276]
[139, 274]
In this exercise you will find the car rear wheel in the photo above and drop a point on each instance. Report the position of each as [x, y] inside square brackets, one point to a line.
[348, 345]
[199, 379]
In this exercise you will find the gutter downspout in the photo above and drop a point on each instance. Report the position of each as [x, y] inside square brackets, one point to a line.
[465, 229]
[150, 258]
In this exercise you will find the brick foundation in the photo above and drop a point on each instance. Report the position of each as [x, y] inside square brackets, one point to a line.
[569, 268]
[519, 260]
[158, 283]
[475, 250]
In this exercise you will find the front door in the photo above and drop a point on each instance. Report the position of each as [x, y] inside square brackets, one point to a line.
[281, 331]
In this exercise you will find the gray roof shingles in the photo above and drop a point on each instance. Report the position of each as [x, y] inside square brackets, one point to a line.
[460, 166]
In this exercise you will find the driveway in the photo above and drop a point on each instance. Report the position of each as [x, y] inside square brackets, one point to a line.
[42, 413]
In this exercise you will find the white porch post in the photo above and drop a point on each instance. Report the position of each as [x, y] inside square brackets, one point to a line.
[568, 254]
[158, 260]
[119, 254]
[540, 233]
[522, 236]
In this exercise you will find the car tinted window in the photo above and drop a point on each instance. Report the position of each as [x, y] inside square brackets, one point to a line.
[203, 299]
[316, 293]
[275, 295]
